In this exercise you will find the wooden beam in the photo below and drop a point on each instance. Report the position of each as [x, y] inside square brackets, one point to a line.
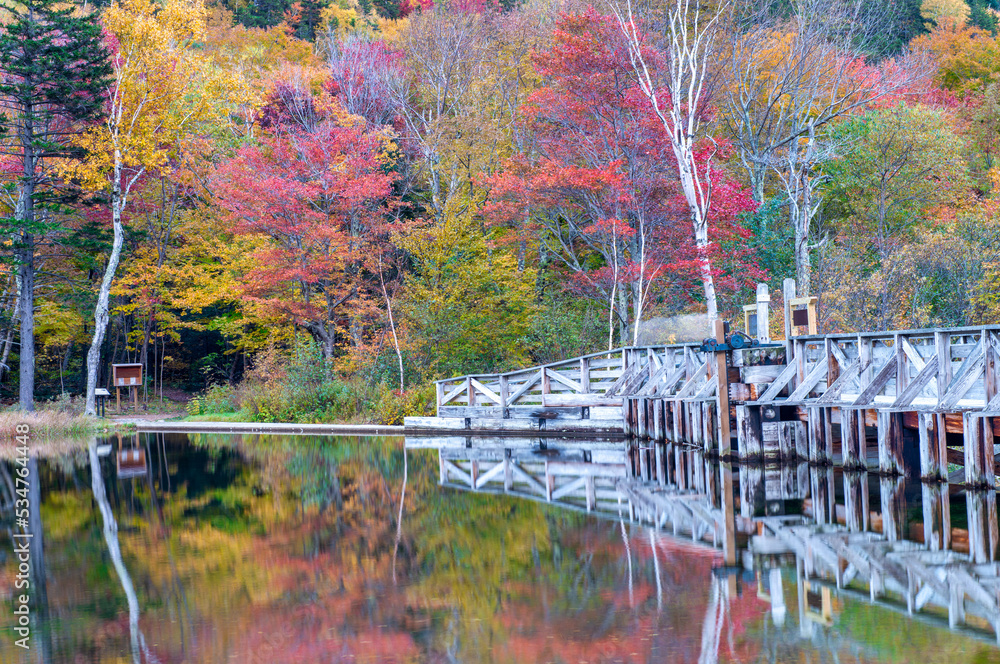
[878, 383]
[778, 384]
[927, 373]
[832, 393]
[815, 375]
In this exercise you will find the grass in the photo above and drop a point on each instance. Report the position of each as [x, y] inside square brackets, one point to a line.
[51, 432]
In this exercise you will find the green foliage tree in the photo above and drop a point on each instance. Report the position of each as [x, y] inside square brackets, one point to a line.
[468, 304]
[53, 69]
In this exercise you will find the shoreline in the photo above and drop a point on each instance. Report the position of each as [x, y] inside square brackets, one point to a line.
[269, 427]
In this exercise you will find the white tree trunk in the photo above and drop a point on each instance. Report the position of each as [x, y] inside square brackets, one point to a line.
[101, 315]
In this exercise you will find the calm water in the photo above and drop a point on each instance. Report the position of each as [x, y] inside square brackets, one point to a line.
[300, 549]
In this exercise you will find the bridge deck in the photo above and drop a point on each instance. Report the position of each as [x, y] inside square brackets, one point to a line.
[821, 398]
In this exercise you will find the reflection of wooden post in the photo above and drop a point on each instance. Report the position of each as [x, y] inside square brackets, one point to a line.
[751, 490]
[937, 516]
[822, 492]
[856, 500]
[981, 507]
[893, 508]
[728, 513]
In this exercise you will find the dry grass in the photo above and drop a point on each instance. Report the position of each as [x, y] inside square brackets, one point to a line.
[50, 432]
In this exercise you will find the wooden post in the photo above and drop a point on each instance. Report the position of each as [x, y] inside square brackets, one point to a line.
[933, 459]
[978, 460]
[677, 417]
[722, 394]
[865, 361]
[439, 388]
[585, 375]
[118, 399]
[470, 391]
[504, 394]
[788, 293]
[850, 450]
[817, 442]
[828, 435]
[942, 346]
[763, 314]
[751, 447]
[890, 443]
[991, 362]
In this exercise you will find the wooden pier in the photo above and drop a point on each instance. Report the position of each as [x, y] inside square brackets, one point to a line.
[884, 401]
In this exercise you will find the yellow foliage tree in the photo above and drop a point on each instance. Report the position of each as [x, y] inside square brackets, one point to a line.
[935, 12]
[152, 100]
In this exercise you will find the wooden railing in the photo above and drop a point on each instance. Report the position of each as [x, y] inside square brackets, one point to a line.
[934, 369]
[595, 380]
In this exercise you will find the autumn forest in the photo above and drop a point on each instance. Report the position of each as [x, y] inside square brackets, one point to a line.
[307, 211]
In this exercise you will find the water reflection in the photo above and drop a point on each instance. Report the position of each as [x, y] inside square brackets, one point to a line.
[816, 520]
[303, 549]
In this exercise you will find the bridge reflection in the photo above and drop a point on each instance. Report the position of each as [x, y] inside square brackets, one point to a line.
[924, 549]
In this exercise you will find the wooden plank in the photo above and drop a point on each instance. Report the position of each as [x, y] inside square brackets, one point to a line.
[815, 375]
[878, 383]
[485, 391]
[693, 382]
[963, 382]
[591, 400]
[923, 378]
[436, 423]
[524, 388]
[912, 354]
[568, 382]
[779, 384]
[454, 393]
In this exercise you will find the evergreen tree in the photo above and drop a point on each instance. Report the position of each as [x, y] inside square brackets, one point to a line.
[53, 67]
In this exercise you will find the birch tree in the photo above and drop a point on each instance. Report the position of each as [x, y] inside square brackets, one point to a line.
[786, 79]
[673, 79]
[150, 103]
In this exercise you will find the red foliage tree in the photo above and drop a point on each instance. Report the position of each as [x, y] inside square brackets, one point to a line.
[321, 191]
[597, 188]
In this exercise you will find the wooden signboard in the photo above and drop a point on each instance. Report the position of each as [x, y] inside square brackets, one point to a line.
[128, 376]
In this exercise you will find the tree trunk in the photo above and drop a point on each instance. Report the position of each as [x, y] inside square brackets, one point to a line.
[26, 271]
[101, 310]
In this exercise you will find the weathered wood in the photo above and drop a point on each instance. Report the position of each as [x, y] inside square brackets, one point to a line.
[751, 446]
[807, 384]
[933, 460]
[877, 384]
[833, 392]
[890, 443]
[978, 460]
[778, 384]
[917, 385]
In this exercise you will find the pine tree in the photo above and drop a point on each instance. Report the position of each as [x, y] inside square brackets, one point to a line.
[53, 67]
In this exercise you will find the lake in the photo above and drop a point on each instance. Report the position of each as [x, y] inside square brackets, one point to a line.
[275, 549]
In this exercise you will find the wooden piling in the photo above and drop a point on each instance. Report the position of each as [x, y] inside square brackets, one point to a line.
[978, 460]
[751, 447]
[890, 443]
[933, 440]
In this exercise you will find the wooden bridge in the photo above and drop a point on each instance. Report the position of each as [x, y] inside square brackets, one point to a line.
[925, 398]
[943, 575]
